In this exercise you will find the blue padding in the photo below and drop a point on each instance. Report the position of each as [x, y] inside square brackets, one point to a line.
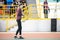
[9, 0]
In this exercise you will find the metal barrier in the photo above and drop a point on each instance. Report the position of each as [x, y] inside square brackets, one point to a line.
[8, 11]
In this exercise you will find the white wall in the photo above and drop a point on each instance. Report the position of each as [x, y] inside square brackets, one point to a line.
[44, 25]
[37, 26]
[31, 26]
[34, 26]
[2, 25]
[58, 25]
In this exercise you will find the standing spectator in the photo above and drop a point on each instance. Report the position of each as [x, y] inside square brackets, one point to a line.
[46, 8]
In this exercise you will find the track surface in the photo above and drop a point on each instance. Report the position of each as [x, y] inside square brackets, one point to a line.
[31, 36]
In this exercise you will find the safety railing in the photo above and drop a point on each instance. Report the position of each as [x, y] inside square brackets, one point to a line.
[8, 11]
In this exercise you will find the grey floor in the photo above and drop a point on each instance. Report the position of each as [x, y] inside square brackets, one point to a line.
[30, 39]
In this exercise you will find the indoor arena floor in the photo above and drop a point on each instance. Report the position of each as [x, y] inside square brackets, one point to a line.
[31, 36]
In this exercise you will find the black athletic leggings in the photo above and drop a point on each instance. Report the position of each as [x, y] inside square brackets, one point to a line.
[19, 27]
[46, 13]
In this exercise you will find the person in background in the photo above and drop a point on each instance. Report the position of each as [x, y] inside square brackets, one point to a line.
[18, 19]
[46, 8]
